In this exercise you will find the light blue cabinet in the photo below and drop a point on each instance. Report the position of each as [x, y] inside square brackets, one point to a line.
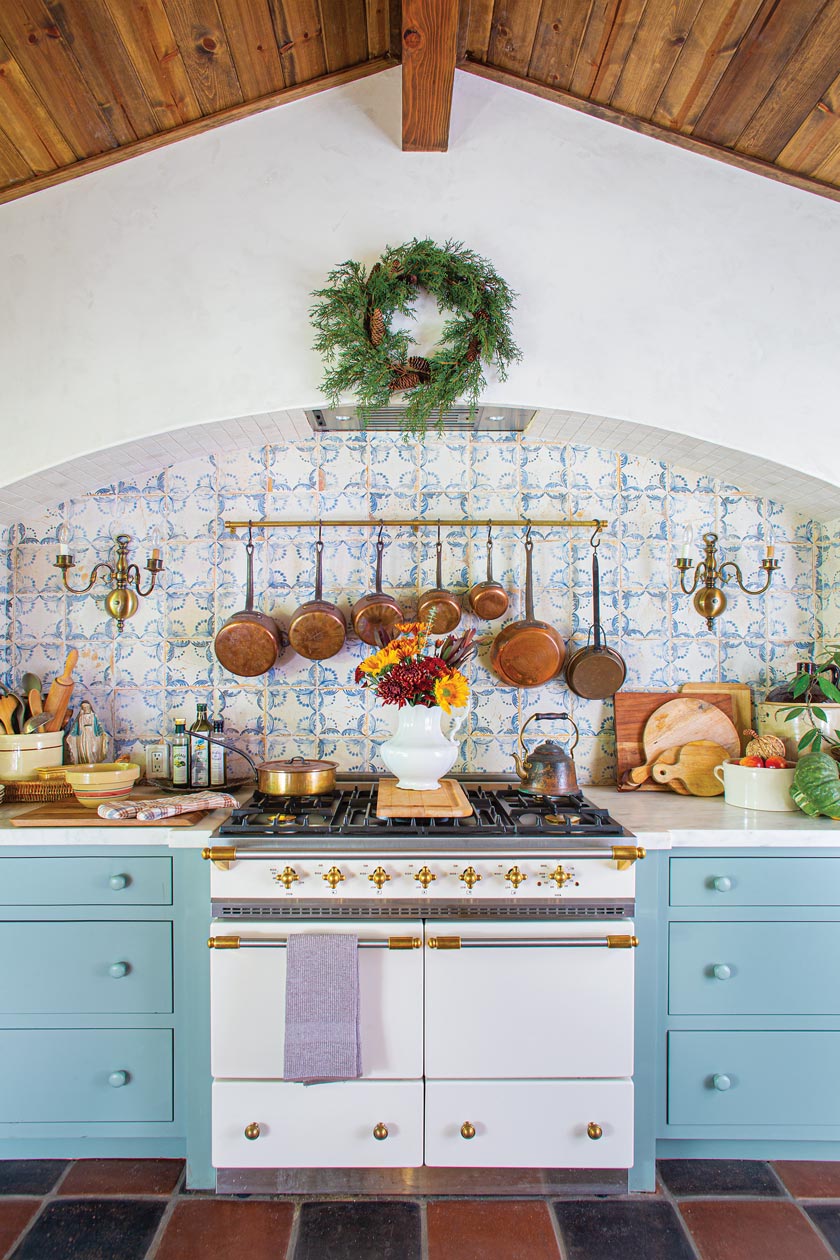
[719, 881]
[114, 881]
[777, 968]
[86, 1076]
[88, 968]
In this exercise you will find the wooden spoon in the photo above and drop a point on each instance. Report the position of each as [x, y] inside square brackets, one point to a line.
[8, 706]
[36, 702]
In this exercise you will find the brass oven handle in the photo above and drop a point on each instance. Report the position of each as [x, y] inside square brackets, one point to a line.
[533, 942]
[280, 942]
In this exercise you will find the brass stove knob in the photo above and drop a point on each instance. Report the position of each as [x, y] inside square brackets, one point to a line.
[334, 877]
[252, 1131]
[287, 877]
[594, 1131]
[470, 876]
[467, 1130]
[379, 877]
[560, 876]
[515, 876]
[380, 1132]
[424, 876]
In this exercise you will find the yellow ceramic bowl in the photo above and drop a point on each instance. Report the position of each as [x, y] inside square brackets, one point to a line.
[98, 785]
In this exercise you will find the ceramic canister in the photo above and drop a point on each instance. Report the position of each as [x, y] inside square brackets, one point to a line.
[21, 755]
[756, 787]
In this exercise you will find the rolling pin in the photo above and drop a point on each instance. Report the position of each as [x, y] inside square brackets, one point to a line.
[59, 694]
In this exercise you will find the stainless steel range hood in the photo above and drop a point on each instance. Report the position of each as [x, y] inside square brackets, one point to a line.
[457, 419]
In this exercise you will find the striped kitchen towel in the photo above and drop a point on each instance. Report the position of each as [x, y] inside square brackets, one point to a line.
[167, 807]
[322, 1008]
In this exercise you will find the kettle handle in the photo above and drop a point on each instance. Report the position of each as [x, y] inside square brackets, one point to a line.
[550, 717]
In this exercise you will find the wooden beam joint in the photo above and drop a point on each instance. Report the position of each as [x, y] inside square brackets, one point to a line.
[429, 46]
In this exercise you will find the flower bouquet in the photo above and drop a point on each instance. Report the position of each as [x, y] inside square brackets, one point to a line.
[423, 679]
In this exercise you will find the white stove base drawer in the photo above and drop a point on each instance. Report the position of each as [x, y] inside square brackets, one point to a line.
[529, 1124]
[318, 1126]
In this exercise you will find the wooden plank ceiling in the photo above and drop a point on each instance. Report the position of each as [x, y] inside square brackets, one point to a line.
[84, 83]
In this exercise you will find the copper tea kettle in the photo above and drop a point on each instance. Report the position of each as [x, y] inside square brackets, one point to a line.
[550, 769]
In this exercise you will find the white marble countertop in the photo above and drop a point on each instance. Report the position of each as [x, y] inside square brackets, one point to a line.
[660, 820]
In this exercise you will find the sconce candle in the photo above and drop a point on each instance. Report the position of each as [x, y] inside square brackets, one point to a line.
[711, 575]
[124, 579]
[63, 541]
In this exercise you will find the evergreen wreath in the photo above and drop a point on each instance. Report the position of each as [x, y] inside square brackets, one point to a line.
[363, 356]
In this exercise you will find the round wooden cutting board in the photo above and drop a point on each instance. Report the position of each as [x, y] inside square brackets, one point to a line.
[685, 721]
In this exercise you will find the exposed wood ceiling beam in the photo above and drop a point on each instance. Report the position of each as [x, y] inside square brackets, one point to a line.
[195, 127]
[705, 147]
[429, 46]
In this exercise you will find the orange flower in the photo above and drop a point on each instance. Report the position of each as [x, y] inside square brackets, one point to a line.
[452, 691]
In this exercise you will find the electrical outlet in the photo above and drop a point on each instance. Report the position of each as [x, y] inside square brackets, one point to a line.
[157, 761]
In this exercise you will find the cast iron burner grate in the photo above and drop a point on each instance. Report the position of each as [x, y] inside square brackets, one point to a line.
[351, 811]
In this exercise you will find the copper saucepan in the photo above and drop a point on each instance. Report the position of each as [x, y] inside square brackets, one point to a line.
[375, 612]
[527, 653]
[292, 776]
[595, 671]
[317, 629]
[441, 604]
[249, 642]
[488, 599]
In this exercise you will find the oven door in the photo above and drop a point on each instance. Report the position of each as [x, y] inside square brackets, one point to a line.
[531, 1000]
[248, 993]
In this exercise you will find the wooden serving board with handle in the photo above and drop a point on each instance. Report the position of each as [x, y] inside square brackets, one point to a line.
[742, 705]
[72, 814]
[633, 709]
[449, 801]
[693, 768]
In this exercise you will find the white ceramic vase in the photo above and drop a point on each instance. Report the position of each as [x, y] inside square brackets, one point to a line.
[418, 752]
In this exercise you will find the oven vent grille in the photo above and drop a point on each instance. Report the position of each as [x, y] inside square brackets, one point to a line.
[455, 420]
[428, 910]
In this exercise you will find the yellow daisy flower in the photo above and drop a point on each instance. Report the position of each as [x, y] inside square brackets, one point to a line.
[379, 661]
[451, 691]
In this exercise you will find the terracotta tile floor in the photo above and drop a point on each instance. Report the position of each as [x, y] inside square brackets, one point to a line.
[135, 1210]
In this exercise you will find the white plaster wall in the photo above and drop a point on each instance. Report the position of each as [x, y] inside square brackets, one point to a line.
[657, 286]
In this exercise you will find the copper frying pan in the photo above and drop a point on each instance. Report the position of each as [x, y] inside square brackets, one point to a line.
[317, 629]
[595, 671]
[249, 642]
[375, 612]
[488, 599]
[527, 653]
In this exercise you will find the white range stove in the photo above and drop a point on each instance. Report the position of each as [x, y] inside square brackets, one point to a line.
[496, 972]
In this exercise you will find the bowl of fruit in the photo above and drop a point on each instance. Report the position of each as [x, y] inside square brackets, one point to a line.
[761, 779]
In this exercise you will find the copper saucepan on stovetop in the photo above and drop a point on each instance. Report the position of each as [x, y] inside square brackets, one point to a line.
[292, 776]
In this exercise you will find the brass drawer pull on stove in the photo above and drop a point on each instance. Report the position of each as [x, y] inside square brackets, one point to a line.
[252, 1131]
[467, 1130]
[594, 1131]
[380, 1132]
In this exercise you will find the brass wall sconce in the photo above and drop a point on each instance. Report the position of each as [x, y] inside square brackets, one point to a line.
[711, 576]
[122, 600]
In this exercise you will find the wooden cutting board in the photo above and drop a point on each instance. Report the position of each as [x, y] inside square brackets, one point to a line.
[693, 768]
[742, 714]
[449, 801]
[632, 710]
[72, 814]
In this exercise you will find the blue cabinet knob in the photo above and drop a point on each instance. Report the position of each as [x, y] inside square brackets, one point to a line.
[117, 1079]
[722, 883]
[117, 970]
[722, 971]
[721, 1081]
[116, 882]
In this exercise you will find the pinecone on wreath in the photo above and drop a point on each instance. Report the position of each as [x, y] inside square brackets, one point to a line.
[376, 327]
[409, 374]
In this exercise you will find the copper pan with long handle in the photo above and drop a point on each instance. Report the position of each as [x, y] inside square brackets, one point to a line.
[595, 671]
[317, 629]
[440, 604]
[377, 611]
[249, 642]
[488, 599]
[528, 653]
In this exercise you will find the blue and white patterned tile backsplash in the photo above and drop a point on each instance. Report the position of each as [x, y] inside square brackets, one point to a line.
[163, 663]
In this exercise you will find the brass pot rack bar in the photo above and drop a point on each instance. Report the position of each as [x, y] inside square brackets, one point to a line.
[420, 523]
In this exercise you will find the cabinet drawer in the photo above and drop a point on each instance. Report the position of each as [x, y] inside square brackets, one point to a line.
[752, 881]
[529, 1124]
[101, 1075]
[325, 1126]
[86, 881]
[86, 968]
[776, 1078]
[754, 969]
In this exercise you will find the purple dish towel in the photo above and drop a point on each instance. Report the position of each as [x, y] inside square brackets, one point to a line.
[322, 1008]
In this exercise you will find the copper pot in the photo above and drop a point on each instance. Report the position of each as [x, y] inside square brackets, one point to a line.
[249, 642]
[441, 604]
[527, 653]
[317, 629]
[293, 776]
[375, 612]
[488, 599]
